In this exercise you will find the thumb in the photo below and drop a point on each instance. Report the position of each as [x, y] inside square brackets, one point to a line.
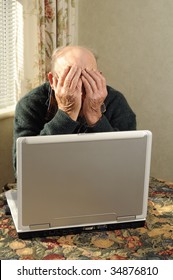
[79, 85]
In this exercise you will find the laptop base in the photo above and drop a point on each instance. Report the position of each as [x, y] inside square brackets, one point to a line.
[79, 230]
[12, 209]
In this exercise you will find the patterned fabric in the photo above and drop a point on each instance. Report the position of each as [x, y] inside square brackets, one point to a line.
[153, 241]
[47, 24]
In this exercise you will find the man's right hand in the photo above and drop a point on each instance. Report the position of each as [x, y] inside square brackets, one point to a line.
[68, 91]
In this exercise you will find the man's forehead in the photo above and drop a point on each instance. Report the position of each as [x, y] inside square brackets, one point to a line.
[79, 57]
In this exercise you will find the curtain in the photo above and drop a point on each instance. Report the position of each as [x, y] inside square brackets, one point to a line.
[8, 17]
[47, 24]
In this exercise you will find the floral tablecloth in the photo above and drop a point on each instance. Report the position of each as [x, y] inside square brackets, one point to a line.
[153, 241]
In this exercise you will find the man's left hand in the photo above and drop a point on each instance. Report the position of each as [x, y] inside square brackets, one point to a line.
[96, 92]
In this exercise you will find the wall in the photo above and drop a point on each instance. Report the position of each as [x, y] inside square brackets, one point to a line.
[6, 168]
[133, 40]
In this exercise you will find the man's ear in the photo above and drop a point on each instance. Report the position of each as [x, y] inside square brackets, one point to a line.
[50, 77]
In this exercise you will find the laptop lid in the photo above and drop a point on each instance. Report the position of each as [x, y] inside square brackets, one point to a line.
[79, 180]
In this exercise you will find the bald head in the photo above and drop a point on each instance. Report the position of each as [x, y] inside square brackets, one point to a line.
[72, 55]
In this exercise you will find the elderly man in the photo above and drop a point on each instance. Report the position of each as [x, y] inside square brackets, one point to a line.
[75, 100]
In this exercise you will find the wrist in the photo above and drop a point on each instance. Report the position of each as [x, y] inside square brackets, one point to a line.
[92, 120]
[94, 123]
[72, 115]
[71, 111]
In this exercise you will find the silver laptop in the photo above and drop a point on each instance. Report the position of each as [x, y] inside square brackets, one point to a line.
[69, 183]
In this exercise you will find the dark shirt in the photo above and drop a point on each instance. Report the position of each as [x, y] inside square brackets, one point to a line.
[37, 114]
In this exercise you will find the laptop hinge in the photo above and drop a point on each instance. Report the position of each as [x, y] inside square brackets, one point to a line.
[126, 218]
[39, 226]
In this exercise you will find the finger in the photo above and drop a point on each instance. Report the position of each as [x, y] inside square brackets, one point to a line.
[100, 82]
[79, 84]
[63, 76]
[75, 79]
[70, 76]
[55, 82]
[79, 87]
[103, 82]
[97, 77]
[87, 86]
[90, 80]
[102, 78]
[98, 74]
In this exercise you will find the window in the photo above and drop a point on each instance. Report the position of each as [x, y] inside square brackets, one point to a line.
[11, 49]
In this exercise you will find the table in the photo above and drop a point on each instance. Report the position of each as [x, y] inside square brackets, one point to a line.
[154, 241]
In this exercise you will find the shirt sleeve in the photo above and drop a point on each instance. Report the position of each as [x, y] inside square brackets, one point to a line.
[118, 116]
[29, 121]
